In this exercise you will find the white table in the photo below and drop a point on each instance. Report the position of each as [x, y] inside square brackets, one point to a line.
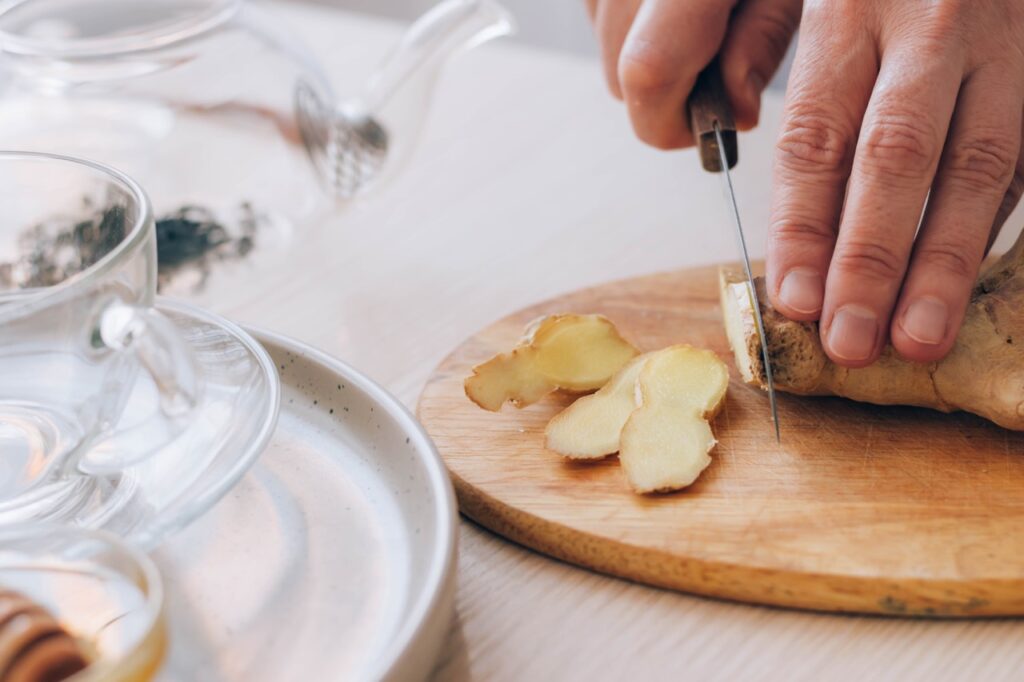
[529, 183]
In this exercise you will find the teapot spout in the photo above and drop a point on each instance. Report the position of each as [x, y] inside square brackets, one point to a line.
[377, 130]
[449, 28]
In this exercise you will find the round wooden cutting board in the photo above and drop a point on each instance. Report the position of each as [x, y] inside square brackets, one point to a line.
[898, 511]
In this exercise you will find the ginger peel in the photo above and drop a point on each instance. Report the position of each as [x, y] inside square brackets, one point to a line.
[983, 374]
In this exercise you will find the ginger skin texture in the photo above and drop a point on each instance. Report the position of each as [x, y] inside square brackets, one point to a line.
[983, 374]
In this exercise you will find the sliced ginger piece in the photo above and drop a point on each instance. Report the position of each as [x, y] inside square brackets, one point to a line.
[509, 376]
[579, 353]
[591, 426]
[572, 352]
[666, 440]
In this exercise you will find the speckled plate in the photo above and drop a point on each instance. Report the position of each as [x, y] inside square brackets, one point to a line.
[333, 559]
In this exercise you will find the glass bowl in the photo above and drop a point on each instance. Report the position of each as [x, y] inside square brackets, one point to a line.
[105, 594]
[212, 106]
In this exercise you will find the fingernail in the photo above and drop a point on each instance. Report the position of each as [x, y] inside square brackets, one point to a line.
[853, 333]
[925, 320]
[802, 290]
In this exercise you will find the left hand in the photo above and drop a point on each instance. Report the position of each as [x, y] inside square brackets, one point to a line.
[890, 100]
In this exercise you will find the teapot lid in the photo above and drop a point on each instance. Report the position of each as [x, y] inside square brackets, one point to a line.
[92, 28]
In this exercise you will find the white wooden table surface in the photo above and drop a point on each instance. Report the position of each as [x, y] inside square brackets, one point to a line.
[528, 184]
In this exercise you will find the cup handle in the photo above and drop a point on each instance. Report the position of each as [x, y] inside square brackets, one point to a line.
[164, 355]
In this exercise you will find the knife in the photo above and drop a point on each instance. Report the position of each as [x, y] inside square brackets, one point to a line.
[714, 130]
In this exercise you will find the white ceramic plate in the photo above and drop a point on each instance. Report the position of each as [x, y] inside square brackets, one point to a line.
[333, 559]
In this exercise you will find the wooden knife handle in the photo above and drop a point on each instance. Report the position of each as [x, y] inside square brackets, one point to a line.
[709, 104]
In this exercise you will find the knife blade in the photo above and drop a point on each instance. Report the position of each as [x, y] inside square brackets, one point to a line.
[714, 130]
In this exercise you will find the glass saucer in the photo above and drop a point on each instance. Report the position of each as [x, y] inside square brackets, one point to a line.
[231, 426]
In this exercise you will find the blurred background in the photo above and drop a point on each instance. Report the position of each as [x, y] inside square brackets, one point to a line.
[554, 24]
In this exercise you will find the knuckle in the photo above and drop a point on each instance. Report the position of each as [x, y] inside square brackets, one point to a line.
[950, 258]
[946, 22]
[826, 9]
[788, 230]
[935, 40]
[900, 144]
[777, 25]
[813, 142]
[835, 17]
[645, 70]
[869, 260]
[953, 11]
[982, 163]
[934, 29]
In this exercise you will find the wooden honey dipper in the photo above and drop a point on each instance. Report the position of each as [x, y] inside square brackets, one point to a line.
[34, 647]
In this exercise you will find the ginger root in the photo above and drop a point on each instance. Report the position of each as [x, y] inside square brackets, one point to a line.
[983, 374]
[591, 426]
[665, 442]
[576, 353]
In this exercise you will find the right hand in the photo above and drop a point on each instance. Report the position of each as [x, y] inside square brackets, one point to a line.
[654, 49]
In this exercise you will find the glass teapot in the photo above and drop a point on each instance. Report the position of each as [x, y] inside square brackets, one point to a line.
[210, 103]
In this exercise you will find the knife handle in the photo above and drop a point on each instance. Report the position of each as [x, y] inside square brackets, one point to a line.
[709, 104]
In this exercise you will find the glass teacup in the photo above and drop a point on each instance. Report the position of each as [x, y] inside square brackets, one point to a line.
[77, 324]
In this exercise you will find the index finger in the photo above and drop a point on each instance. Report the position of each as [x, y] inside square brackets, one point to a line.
[814, 154]
[669, 43]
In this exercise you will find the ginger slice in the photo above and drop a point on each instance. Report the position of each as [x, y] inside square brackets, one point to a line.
[576, 353]
[591, 426]
[666, 440]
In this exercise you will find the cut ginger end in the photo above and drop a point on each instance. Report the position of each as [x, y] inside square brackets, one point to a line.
[665, 443]
[572, 352]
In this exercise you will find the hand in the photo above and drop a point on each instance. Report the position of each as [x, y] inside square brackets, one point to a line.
[654, 49]
[888, 100]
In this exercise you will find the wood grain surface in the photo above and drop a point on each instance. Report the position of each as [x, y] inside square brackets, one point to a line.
[897, 511]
